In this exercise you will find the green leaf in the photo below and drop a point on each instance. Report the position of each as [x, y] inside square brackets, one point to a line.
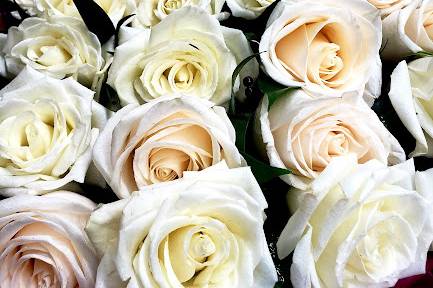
[109, 98]
[262, 171]
[273, 90]
[232, 108]
[96, 20]
[266, 84]
[417, 55]
[423, 54]
[279, 285]
[275, 95]
[241, 123]
[250, 36]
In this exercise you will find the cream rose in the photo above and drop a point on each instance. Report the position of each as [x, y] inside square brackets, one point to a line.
[46, 134]
[160, 140]
[304, 134]
[359, 225]
[205, 230]
[59, 46]
[43, 243]
[115, 9]
[327, 47]
[151, 12]
[408, 30]
[187, 52]
[248, 9]
[411, 95]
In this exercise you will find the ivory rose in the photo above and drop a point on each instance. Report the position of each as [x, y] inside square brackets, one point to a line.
[115, 9]
[248, 9]
[412, 98]
[360, 225]
[304, 134]
[43, 243]
[328, 47]
[387, 7]
[187, 52]
[151, 12]
[46, 134]
[58, 46]
[158, 141]
[408, 30]
[205, 230]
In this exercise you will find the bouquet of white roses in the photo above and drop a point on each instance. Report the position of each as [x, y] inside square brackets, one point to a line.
[238, 143]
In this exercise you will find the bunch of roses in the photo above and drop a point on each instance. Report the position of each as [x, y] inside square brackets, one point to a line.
[191, 212]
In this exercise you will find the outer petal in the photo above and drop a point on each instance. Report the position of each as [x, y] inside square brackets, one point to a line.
[402, 100]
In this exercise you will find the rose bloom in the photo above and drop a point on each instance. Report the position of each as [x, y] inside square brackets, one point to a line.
[58, 46]
[360, 225]
[151, 12]
[305, 134]
[408, 30]
[46, 134]
[205, 230]
[187, 52]
[412, 98]
[43, 243]
[325, 46]
[387, 7]
[115, 9]
[250, 9]
[158, 141]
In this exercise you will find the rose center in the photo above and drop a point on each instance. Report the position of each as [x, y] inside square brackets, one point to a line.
[49, 55]
[324, 61]
[27, 135]
[201, 247]
[43, 274]
[170, 5]
[337, 144]
[380, 253]
[181, 75]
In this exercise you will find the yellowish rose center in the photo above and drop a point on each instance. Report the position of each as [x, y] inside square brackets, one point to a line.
[323, 62]
[177, 146]
[52, 55]
[171, 5]
[201, 247]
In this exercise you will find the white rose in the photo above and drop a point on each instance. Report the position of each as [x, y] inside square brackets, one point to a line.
[205, 230]
[327, 46]
[160, 140]
[411, 95]
[115, 9]
[187, 52]
[248, 9]
[151, 12]
[362, 225]
[43, 243]
[387, 7]
[408, 30]
[46, 134]
[304, 134]
[27, 5]
[59, 46]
